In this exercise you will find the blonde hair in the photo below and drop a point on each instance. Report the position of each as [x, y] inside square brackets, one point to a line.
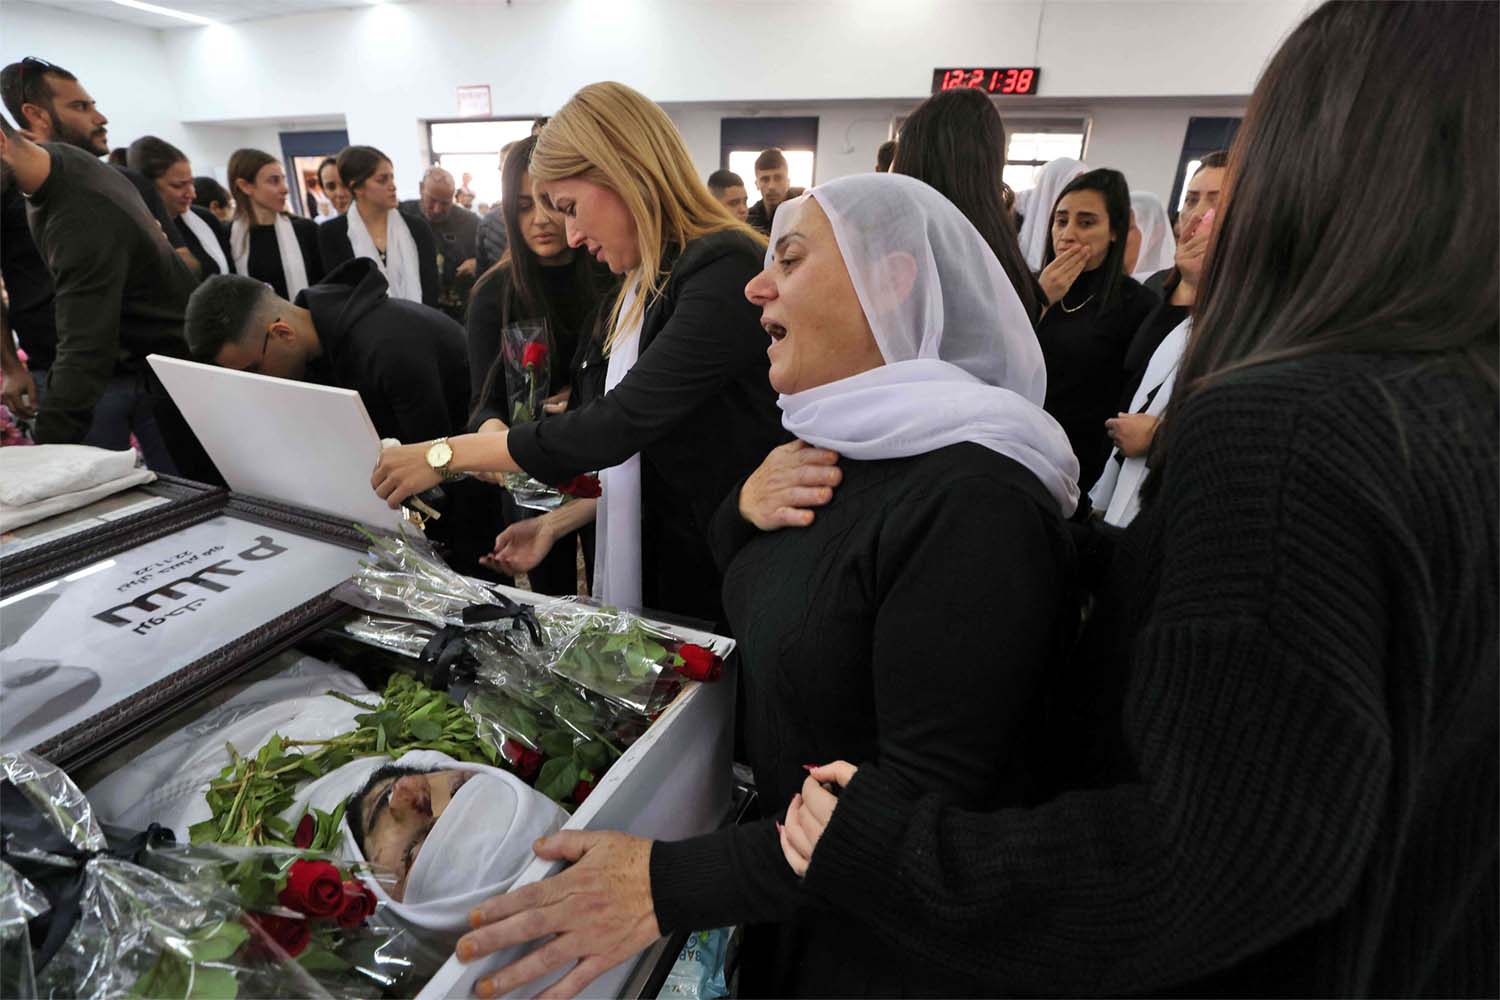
[616, 137]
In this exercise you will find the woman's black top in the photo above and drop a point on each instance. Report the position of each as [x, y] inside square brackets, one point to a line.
[190, 240]
[333, 241]
[1163, 318]
[1310, 713]
[697, 406]
[1085, 354]
[265, 255]
[573, 322]
[913, 623]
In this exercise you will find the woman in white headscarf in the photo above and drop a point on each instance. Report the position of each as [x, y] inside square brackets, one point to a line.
[912, 621]
[1151, 237]
[1038, 201]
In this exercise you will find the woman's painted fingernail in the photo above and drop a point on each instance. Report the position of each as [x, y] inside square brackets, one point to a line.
[779, 827]
[809, 767]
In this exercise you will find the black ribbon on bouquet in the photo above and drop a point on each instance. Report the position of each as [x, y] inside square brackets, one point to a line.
[28, 830]
[445, 653]
[523, 615]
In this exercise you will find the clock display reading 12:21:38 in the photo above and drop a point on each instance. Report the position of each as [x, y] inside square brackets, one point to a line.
[1019, 80]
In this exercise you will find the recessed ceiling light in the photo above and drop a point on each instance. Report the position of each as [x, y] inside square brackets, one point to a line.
[152, 8]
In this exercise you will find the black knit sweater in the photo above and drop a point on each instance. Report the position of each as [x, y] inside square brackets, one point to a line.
[1312, 714]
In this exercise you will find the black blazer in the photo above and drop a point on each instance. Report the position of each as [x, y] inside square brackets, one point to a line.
[333, 242]
[697, 405]
[190, 240]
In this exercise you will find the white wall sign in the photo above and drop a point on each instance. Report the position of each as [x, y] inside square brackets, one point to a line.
[474, 101]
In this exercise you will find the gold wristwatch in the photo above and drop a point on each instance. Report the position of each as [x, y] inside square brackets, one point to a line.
[439, 456]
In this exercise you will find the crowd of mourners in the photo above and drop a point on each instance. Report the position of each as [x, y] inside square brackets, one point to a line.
[1115, 593]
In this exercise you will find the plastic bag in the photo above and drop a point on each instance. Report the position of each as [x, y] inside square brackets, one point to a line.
[699, 972]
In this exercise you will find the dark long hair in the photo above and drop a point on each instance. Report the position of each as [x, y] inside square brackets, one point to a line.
[1365, 107]
[519, 271]
[1110, 184]
[955, 142]
[357, 164]
[152, 156]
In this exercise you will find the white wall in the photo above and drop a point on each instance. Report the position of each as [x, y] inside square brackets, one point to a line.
[386, 69]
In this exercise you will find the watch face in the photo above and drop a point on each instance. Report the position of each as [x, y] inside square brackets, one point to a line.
[439, 455]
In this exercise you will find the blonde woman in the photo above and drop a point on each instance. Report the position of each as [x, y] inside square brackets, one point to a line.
[688, 410]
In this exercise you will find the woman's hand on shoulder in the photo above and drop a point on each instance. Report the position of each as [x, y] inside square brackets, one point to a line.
[793, 479]
[811, 809]
[1131, 433]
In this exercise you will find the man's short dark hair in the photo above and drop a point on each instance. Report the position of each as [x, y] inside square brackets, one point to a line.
[1217, 160]
[722, 180]
[355, 816]
[885, 156]
[209, 191]
[26, 82]
[221, 311]
[770, 159]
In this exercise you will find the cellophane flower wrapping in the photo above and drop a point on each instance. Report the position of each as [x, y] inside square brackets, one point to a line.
[20, 901]
[175, 922]
[526, 351]
[559, 705]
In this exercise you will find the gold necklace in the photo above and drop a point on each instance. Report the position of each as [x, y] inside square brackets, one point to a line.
[1078, 306]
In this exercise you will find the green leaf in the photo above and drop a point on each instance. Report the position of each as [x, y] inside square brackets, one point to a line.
[557, 778]
[204, 833]
[167, 977]
[425, 729]
[556, 743]
[211, 982]
[594, 755]
[322, 960]
[217, 943]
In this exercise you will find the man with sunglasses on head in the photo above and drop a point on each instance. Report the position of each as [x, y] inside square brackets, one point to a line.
[48, 105]
[119, 294]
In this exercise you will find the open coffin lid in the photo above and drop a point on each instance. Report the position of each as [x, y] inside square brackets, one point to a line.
[675, 781]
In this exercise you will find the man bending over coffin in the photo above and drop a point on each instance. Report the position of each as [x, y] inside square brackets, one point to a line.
[408, 363]
[452, 833]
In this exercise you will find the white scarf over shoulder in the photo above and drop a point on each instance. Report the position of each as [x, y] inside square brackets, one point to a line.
[401, 268]
[292, 267]
[962, 360]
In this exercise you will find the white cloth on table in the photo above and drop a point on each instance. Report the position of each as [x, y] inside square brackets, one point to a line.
[50, 479]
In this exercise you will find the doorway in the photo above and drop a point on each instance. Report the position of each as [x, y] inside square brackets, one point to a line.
[741, 140]
[302, 152]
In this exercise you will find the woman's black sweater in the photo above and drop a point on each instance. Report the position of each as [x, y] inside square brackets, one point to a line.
[264, 263]
[1311, 713]
[1085, 355]
[912, 623]
[697, 406]
[335, 247]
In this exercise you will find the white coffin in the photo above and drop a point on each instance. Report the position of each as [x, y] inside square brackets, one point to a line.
[676, 781]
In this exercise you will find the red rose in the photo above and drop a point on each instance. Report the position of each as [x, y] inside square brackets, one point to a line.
[698, 663]
[534, 356]
[359, 904]
[306, 830]
[313, 888]
[584, 487]
[525, 760]
[581, 791]
[269, 933]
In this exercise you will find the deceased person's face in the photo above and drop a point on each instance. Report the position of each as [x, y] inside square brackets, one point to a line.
[398, 810]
